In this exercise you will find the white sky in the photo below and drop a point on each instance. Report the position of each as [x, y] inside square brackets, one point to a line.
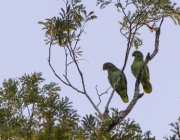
[23, 50]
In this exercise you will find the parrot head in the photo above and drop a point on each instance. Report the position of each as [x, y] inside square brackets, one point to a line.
[108, 66]
[137, 54]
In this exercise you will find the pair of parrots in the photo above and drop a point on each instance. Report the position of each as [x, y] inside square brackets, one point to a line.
[114, 72]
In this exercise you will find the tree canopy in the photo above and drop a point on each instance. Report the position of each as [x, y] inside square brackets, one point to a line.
[30, 110]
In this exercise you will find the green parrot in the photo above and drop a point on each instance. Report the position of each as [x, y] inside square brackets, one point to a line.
[135, 68]
[113, 74]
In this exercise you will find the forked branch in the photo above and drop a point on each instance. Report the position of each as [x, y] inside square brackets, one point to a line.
[99, 95]
[138, 95]
[130, 39]
[66, 83]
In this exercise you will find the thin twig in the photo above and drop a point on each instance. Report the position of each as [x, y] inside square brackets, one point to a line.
[84, 89]
[77, 61]
[137, 95]
[66, 65]
[72, 55]
[99, 95]
[71, 51]
[130, 39]
[49, 61]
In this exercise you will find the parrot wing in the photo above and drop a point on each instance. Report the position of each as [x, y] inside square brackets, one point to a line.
[145, 80]
[122, 85]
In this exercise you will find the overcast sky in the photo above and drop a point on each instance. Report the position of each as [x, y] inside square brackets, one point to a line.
[23, 50]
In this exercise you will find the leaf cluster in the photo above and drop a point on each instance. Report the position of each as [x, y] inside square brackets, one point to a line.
[145, 12]
[69, 25]
[176, 131]
[30, 110]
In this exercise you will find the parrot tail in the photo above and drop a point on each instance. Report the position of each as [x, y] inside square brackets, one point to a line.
[123, 95]
[147, 87]
[125, 99]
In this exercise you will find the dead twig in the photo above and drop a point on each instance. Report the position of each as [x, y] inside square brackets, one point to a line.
[66, 65]
[49, 61]
[138, 95]
[99, 95]
[129, 46]
[77, 61]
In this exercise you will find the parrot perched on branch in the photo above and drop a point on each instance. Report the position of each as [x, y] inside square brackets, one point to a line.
[135, 68]
[113, 74]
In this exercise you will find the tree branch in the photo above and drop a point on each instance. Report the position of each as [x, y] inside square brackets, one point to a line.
[49, 61]
[72, 55]
[77, 61]
[137, 95]
[99, 95]
[66, 65]
[130, 39]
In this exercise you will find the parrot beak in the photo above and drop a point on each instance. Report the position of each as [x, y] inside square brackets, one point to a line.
[104, 67]
[133, 54]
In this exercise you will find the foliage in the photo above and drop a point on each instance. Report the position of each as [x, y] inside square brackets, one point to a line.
[69, 26]
[65, 31]
[145, 12]
[175, 130]
[29, 111]
[21, 104]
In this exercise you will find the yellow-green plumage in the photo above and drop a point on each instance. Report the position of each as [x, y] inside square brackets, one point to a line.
[113, 74]
[135, 68]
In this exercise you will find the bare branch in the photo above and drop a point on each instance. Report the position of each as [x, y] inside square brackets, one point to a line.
[68, 84]
[77, 61]
[96, 108]
[130, 39]
[99, 95]
[83, 84]
[123, 33]
[49, 61]
[84, 88]
[65, 51]
[71, 51]
[137, 95]
[81, 31]
[126, 15]
[72, 54]
[151, 29]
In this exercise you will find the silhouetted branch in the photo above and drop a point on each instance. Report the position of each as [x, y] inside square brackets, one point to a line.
[66, 65]
[84, 89]
[138, 95]
[49, 61]
[77, 61]
[99, 95]
[71, 51]
[129, 46]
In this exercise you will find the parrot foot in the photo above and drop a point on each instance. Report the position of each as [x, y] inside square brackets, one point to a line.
[140, 95]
